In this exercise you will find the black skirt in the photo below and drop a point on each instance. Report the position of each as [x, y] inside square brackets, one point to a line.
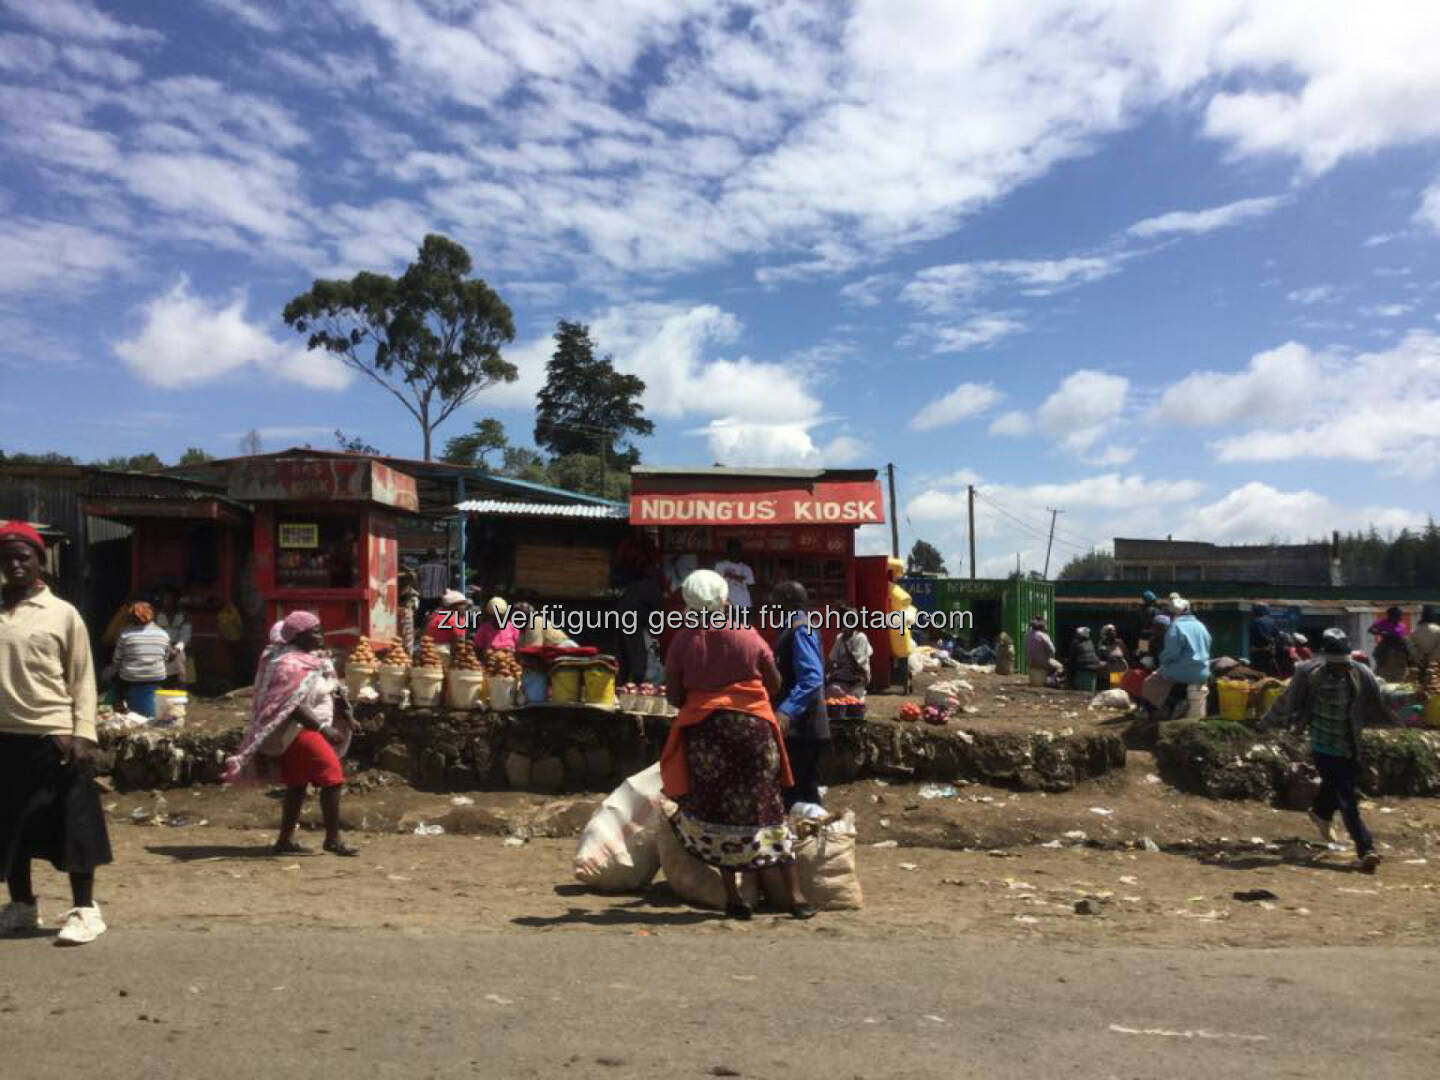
[49, 810]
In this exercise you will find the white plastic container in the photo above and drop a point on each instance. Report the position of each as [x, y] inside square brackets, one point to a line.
[394, 682]
[502, 693]
[466, 689]
[426, 686]
[357, 677]
[170, 707]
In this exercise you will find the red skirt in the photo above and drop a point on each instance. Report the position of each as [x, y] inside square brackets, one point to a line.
[311, 760]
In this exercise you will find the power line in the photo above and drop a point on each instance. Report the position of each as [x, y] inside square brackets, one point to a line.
[1036, 532]
[1075, 539]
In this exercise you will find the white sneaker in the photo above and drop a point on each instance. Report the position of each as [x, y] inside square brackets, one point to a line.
[17, 918]
[1323, 827]
[82, 926]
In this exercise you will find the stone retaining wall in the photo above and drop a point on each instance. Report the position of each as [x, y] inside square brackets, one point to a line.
[1226, 760]
[553, 749]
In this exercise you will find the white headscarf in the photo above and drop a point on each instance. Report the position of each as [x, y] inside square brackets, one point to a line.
[1179, 605]
[705, 590]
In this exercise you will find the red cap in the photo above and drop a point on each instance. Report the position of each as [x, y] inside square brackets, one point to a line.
[20, 530]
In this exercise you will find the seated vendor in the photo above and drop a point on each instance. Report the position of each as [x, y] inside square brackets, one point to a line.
[447, 626]
[537, 630]
[847, 669]
[496, 631]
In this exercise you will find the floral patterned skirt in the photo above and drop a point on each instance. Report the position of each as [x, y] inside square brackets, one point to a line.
[734, 816]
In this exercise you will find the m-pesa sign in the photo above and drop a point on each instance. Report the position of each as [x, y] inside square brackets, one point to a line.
[825, 504]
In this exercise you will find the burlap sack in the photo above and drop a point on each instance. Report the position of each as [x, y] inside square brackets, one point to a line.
[826, 857]
[694, 881]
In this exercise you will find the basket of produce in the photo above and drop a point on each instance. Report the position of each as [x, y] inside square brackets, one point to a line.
[466, 679]
[503, 674]
[427, 679]
[394, 673]
[360, 668]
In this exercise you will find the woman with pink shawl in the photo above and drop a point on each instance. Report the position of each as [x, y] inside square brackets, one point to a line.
[295, 719]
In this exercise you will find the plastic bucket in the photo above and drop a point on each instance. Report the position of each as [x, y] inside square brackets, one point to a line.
[426, 686]
[1432, 711]
[357, 677]
[501, 693]
[533, 686]
[1116, 678]
[170, 706]
[1269, 696]
[599, 686]
[466, 689]
[1234, 699]
[394, 681]
[565, 683]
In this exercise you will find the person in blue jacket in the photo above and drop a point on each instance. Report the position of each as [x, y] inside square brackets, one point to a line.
[800, 705]
[1184, 672]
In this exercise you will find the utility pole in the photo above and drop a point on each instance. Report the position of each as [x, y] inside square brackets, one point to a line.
[894, 521]
[1051, 542]
[972, 532]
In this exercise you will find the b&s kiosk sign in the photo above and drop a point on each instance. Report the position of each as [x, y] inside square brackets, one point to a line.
[838, 503]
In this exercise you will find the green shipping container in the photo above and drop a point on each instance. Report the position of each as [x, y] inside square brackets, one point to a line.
[994, 605]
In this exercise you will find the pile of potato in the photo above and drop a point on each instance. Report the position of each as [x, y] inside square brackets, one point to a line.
[396, 654]
[429, 655]
[463, 658]
[502, 663]
[363, 654]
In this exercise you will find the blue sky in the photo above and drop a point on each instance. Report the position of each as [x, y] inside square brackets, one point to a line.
[1171, 268]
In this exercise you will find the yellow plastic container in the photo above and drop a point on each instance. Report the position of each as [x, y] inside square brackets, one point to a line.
[1432, 711]
[1116, 678]
[599, 686]
[1234, 699]
[565, 685]
[1270, 695]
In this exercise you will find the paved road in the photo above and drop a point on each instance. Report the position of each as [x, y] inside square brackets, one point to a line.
[258, 1003]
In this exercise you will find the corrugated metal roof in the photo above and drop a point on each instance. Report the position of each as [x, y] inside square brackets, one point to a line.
[610, 512]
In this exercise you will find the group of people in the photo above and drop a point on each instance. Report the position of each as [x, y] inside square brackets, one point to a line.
[150, 649]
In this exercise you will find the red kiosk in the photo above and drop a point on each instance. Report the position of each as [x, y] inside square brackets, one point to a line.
[324, 538]
[792, 524]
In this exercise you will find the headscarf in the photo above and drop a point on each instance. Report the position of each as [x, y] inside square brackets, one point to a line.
[705, 590]
[142, 614]
[454, 598]
[497, 607]
[1179, 605]
[297, 623]
[1083, 633]
[25, 533]
[1148, 596]
[1107, 632]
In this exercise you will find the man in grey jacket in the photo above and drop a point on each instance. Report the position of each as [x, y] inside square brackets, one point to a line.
[1335, 699]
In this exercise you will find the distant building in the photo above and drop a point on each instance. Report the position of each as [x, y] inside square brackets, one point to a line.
[1166, 561]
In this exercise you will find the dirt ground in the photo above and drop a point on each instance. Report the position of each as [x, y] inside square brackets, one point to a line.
[934, 862]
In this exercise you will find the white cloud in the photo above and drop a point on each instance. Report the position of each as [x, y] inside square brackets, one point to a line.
[945, 288]
[186, 341]
[1380, 407]
[1387, 311]
[251, 13]
[1195, 222]
[54, 256]
[1277, 383]
[972, 333]
[1258, 512]
[1083, 408]
[1112, 456]
[1429, 212]
[966, 400]
[78, 19]
[742, 444]
[869, 291]
[1015, 424]
[1315, 294]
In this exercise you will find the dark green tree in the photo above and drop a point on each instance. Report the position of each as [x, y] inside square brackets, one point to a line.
[194, 455]
[925, 558]
[1094, 566]
[430, 337]
[353, 444]
[586, 406]
[138, 463]
[486, 437]
[587, 474]
[522, 463]
[50, 457]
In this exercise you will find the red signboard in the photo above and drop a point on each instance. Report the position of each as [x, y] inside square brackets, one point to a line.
[820, 504]
[315, 479]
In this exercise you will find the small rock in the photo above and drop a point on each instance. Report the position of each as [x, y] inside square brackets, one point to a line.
[1254, 896]
[723, 1070]
[1089, 906]
[1149, 845]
